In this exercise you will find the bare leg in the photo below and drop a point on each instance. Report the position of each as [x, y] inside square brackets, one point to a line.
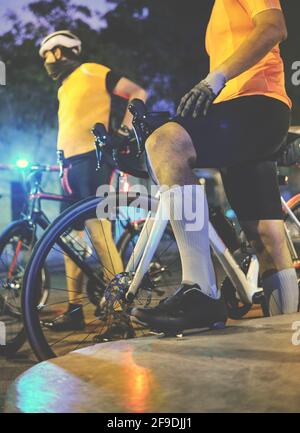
[74, 276]
[172, 155]
[268, 238]
[104, 244]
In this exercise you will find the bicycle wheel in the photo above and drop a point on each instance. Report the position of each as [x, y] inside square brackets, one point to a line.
[50, 251]
[16, 244]
[293, 232]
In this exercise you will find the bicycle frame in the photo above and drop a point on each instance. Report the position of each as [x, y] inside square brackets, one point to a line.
[33, 215]
[289, 212]
[151, 234]
[246, 285]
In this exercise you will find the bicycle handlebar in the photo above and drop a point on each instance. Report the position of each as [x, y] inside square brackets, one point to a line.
[145, 122]
[126, 150]
[32, 168]
[44, 168]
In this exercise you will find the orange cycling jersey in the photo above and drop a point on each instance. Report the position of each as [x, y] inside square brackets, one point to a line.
[230, 24]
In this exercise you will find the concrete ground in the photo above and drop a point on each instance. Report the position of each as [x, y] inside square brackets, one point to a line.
[11, 368]
[251, 366]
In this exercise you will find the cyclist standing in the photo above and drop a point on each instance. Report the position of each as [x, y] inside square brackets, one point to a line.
[84, 96]
[236, 119]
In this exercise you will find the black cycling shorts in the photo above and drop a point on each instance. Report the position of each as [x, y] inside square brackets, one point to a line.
[81, 179]
[241, 138]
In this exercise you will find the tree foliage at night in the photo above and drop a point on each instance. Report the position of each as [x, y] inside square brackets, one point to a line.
[159, 44]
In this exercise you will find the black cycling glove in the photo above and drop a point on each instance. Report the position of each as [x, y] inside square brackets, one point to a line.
[198, 100]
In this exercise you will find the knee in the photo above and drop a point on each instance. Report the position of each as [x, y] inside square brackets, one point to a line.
[168, 141]
[159, 142]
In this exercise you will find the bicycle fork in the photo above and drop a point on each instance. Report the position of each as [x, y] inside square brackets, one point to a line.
[145, 248]
[287, 234]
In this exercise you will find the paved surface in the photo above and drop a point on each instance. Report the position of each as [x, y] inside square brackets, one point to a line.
[251, 366]
[11, 368]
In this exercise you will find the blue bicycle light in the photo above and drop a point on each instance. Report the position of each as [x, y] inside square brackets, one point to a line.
[230, 214]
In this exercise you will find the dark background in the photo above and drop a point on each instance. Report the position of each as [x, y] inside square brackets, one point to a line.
[158, 43]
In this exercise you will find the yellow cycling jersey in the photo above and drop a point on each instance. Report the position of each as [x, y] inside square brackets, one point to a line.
[83, 101]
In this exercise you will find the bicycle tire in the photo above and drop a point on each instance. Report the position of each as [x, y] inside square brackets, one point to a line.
[19, 229]
[83, 210]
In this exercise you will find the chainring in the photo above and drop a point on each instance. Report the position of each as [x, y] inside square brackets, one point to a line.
[116, 290]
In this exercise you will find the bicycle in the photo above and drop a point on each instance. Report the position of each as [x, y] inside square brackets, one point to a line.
[115, 298]
[17, 242]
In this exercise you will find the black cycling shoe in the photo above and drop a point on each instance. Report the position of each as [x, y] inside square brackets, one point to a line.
[71, 320]
[187, 308]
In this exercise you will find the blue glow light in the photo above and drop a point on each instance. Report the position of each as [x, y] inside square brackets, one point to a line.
[230, 214]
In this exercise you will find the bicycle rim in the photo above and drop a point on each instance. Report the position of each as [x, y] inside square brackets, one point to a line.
[41, 343]
[15, 246]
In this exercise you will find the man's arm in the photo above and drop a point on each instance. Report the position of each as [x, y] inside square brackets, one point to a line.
[270, 29]
[129, 90]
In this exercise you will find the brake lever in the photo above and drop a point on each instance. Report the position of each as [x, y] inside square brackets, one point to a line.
[101, 142]
[60, 162]
[144, 123]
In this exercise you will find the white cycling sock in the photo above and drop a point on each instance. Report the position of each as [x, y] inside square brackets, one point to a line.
[282, 292]
[189, 219]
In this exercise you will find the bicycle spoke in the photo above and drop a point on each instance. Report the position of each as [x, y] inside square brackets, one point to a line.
[63, 290]
[82, 246]
[61, 302]
[105, 268]
[60, 251]
[71, 334]
[92, 332]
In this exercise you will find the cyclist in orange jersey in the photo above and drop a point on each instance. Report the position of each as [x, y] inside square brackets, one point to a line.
[236, 120]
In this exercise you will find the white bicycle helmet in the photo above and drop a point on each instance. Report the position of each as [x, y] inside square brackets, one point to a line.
[62, 38]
